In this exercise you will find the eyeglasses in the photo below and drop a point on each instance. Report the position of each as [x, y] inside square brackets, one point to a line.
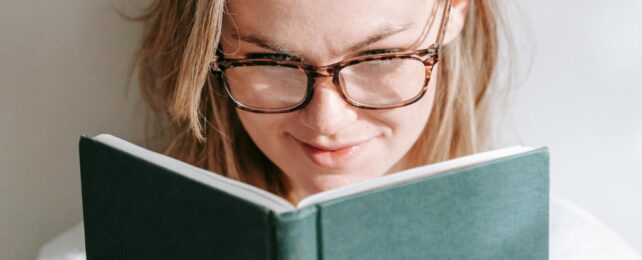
[378, 79]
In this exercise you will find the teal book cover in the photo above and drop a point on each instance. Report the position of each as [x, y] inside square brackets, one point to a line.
[138, 204]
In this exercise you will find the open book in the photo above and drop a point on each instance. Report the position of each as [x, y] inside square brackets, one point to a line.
[139, 204]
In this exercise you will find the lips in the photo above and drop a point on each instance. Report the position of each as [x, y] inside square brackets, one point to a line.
[335, 156]
[332, 148]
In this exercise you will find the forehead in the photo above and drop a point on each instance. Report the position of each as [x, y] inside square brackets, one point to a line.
[324, 29]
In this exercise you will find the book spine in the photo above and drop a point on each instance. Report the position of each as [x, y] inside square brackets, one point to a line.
[296, 235]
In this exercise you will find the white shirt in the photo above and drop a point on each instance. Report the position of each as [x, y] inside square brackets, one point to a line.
[574, 234]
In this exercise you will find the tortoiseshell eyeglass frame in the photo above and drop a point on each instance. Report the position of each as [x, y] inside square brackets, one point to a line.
[429, 57]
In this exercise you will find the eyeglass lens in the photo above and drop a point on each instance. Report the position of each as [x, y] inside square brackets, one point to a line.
[376, 83]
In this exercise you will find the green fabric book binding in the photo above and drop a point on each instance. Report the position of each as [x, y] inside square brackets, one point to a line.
[138, 204]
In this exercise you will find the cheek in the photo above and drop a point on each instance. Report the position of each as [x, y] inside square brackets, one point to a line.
[407, 125]
[408, 122]
[264, 129]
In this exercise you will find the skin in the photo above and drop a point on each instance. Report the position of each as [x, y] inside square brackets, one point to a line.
[322, 32]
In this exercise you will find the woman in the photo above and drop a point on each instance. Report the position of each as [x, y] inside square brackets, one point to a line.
[298, 97]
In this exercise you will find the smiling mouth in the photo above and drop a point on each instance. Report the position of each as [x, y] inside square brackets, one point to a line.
[332, 157]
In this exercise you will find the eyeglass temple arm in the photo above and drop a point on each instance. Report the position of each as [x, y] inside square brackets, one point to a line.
[444, 22]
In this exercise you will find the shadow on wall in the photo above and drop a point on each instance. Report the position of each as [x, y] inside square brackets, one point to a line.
[64, 72]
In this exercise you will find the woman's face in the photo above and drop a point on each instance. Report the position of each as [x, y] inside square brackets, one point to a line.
[329, 143]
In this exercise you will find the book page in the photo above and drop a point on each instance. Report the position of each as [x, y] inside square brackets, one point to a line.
[237, 188]
[412, 174]
[280, 205]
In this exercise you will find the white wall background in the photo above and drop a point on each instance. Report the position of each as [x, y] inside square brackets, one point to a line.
[64, 65]
[63, 72]
[581, 94]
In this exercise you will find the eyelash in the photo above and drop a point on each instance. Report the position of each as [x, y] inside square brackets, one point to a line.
[378, 51]
[274, 56]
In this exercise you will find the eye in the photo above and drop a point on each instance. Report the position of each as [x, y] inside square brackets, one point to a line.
[274, 56]
[380, 51]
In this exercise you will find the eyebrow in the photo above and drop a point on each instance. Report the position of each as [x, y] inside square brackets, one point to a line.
[383, 32]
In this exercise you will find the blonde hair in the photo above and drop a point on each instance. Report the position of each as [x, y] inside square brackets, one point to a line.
[179, 43]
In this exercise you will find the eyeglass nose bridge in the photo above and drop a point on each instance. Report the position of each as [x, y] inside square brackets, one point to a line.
[325, 71]
[331, 71]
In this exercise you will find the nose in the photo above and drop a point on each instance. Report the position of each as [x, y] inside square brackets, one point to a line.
[327, 113]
